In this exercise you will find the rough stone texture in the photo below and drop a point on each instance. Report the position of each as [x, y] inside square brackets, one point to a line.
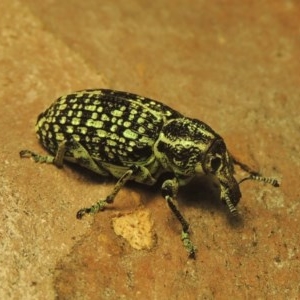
[136, 228]
[233, 64]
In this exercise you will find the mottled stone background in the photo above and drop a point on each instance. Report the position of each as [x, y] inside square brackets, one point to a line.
[233, 64]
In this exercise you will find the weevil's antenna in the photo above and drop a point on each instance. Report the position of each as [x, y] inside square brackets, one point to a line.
[274, 182]
[231, 207]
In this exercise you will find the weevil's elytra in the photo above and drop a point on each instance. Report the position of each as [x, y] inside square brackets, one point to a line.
[135, 138]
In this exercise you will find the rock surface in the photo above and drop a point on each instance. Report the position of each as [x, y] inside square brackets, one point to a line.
[234, 65]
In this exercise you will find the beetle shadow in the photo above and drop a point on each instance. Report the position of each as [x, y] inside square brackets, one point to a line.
[203, 193]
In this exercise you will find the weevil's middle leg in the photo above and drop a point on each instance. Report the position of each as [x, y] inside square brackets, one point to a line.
[169, 190]
[100, 205]
[135, 172]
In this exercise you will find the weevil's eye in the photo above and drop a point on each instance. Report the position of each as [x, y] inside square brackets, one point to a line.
[215, 164]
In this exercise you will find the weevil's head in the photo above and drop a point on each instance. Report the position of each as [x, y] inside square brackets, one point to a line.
[189, 147]
[217, 161]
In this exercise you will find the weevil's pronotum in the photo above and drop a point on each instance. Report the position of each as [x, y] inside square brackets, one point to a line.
[135, 138]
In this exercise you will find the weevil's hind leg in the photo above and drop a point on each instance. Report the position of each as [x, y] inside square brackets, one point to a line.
[169, 192]
[254, 175]
[77, 154]
[57, 160]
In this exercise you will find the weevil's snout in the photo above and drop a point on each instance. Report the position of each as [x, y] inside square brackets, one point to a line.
[218, 163]
[230, 193]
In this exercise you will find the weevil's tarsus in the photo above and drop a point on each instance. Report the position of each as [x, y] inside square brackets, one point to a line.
[48, 159]
[100, 205]
[188, 245]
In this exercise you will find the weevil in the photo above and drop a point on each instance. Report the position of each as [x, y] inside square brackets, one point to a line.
[130, 137]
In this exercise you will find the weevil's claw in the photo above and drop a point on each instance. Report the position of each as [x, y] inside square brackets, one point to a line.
[82, 212]
[99, 206]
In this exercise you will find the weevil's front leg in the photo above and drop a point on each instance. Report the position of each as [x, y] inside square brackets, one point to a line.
[169, 192]
[254, 175]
